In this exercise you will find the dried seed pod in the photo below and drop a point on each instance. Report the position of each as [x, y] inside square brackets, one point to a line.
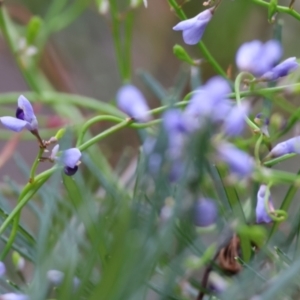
[227, 256]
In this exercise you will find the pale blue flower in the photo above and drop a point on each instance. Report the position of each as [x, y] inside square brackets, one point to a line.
[289, 146]
[70, 159]
[234, 123]
[56, 278]
[262, 215]
[13, 296]
[193, 29]
[205, 212]
[257, 57]
[25, 117]
[2, 269]
[208, 102]
[281, 70]
[132, 102]
[238, 161]
[176, 129]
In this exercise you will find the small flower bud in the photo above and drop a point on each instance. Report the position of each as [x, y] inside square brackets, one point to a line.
[18, 261]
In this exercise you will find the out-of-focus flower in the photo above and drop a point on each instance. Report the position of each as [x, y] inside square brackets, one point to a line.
[56, 278]
[173, 121]
[25, 117]
[218, 88]
[176, 128]
[132, 102]
[208, 102]
[177, 170]
[193, 29]
[70, 158]
[258, 58]
[290, 146]
[234, 123]
[262, 215]
[217, 283]
[238, 161]
[205, 212]
[2, 269]
[281, 70]
[263, 122]
[13, 296]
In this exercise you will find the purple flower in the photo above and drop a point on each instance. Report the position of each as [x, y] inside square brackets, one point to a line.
[13, 296]
[281, 70]
[218, 88]
[208, 102]
[25, 117]
[174, 121]
[205, 212]
[56, 278]
[234, 122]
[70, 159]
[258, 58]
[290, 146]
[132, 102]
[176, 128]
[193, 29]
[238, 161]
[2, 269]
[262, 215]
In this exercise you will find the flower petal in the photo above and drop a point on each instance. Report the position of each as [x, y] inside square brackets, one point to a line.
[13, 124]
[131, 101]
[262, 215]
[26, 106]
[218, 88]
[205, 212]
[235, 121]
[186, 24]
[193, 35]
[193, 28]
[239, 162]
[289, 146]
[71, 157]
[246, 54]
[54, 152]
[282, 69]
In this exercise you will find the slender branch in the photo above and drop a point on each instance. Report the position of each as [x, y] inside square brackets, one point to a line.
[283, 9]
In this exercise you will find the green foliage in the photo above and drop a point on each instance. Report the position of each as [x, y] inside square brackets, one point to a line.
[126, 231]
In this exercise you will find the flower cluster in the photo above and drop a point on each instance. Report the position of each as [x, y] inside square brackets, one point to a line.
[255, 57]
[26, 119]
[261, 60]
